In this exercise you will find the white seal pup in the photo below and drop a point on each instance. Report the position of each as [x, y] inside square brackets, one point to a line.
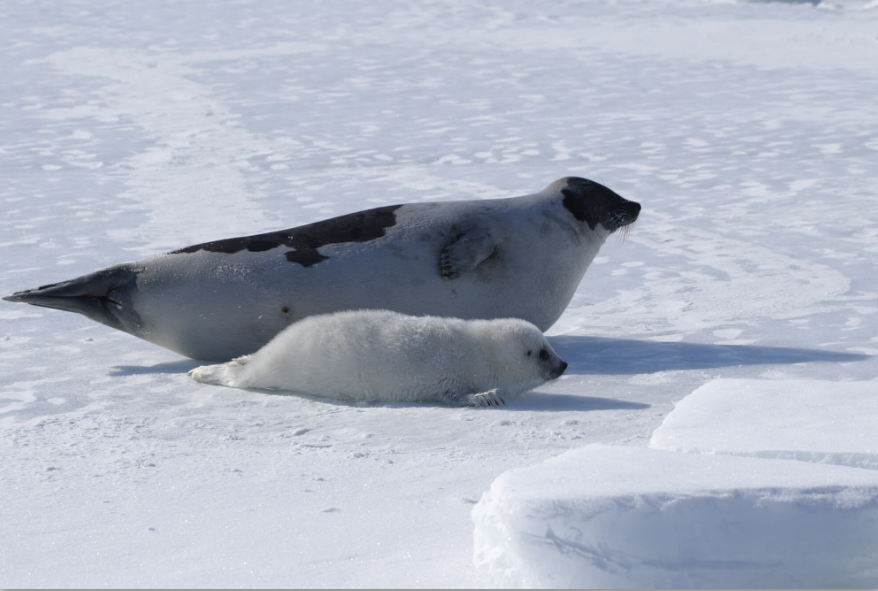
[501, 258]
[382, 356]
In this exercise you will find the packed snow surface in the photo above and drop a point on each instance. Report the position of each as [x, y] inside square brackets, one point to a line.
[812, 421]
[747, 130]
[614, 516]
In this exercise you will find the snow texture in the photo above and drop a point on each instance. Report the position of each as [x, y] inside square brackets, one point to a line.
[810, 421]
[747, 130]
[613, 516]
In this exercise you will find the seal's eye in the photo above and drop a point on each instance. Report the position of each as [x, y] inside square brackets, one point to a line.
[544, 354]
[529, 353]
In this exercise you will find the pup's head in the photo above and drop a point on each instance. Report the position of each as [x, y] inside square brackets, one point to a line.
[524, 355]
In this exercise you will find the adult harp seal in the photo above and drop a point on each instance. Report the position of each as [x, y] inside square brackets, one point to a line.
[521, 257]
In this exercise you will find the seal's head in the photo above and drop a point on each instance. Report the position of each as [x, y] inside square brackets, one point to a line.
[520, 353]
[594, 204]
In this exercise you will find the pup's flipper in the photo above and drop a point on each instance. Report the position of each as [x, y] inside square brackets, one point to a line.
[224, 374]
[489, 398]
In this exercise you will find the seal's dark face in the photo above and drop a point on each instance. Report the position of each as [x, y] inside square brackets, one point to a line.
[595, 204]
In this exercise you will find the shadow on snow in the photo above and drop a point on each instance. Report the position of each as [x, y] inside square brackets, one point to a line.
[181, 366]
[543, 401]
[596, 356]
[604, 356]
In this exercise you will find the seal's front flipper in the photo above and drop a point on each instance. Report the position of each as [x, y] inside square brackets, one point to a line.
[465, 253]
[489, 398]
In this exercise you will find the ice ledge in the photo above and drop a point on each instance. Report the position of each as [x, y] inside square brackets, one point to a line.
[605, 516]
[812, 421]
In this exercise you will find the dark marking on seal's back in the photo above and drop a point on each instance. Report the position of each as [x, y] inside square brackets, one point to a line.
[362, 226]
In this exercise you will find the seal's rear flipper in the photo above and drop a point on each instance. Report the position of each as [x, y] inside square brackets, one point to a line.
[95, 296]
[224, 374]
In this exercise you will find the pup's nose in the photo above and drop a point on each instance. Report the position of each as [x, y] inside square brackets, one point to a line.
[563, 367]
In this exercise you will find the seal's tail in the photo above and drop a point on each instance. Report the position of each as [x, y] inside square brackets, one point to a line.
[224, 374]
[97, 295]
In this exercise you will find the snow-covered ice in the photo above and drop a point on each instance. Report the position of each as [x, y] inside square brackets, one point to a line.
[624, 517]
[807, 420]
[747, 130]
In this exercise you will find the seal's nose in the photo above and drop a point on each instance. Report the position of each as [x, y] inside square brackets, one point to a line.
[559, 370]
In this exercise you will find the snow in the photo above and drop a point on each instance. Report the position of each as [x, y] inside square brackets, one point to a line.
[626, 517]
[747, 130]
[811, 421]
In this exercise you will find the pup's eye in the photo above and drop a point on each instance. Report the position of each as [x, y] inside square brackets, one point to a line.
[544, 354]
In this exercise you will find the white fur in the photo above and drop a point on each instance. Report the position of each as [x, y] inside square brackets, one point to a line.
[376, 355]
